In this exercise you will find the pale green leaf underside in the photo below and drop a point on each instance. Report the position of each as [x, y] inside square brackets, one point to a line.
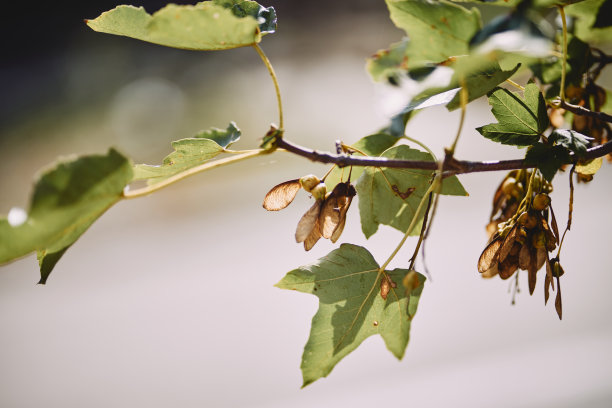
[437, 29]
[189, 153]
[67, 199]
[351, 309]
[478, 75]
[521, 120]
[380, 204]
[204, 26]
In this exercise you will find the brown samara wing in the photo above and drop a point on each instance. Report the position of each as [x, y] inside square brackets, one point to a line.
[490, 256]
[507, 268]
[281, 195]
[558, 305]
[532, 270]
[313, 237]
[508, 243]
[308, 222]
[335, 206]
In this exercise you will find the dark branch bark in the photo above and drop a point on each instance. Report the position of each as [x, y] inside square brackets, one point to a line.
[579, 110]
[451, 166]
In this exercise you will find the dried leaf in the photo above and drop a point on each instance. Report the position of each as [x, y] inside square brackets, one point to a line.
[281, 195]
[490, 256]
[308, 222]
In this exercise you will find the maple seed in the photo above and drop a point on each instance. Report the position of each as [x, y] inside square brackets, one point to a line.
[540, 202]
[309, 182]
[319, 191]
[281, 195]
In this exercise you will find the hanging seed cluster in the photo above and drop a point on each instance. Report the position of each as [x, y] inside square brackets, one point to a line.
[325, 218]
[523, 231]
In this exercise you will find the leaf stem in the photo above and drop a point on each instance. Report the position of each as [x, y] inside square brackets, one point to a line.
[514, 84]
[564, 66]
[424, 146]
[127, 194]
[425, 199]
[268, 65]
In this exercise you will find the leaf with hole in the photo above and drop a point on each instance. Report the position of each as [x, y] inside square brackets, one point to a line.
[351, 308]
[67, 199]
[391, 196]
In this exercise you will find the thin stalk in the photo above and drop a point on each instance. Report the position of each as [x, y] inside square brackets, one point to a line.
[127, 194]
[514, 84]
[268, 65]
[427, 149]
[425, 198]
[464, 101]
[564, 66]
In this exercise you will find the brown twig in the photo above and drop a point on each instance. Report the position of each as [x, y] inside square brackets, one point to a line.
[452, 166]
[579, 110]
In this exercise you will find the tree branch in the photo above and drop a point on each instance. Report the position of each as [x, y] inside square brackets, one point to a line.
[451, 166]
[579, 110]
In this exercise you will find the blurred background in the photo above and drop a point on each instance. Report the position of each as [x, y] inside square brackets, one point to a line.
[168, 300]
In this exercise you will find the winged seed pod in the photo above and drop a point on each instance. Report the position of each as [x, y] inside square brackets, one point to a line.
[522, 240]
[327, 217]
[281, 195]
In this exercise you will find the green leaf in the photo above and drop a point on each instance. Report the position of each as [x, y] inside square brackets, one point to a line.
[592, 23]
[204, 26]
[67, 199]
[479, 76]
[388, 64]
[548, 70]
[265, 16]
[437, 29]
[372, 145]
[604, 14]
[351, 308]
[547, 158]
[391, 196]
[514, 33]
[521, 121]
[189, 153]
[570, 139]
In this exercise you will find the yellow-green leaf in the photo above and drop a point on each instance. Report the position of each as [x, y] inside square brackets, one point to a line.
[391, 196]
[67, 199]
[347, 282]
[204, 26]
[189, 153]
